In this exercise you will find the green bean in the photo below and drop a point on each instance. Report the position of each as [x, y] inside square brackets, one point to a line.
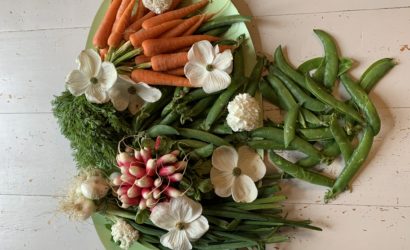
[277, 135]
[310, 65]
[267, 145]
[375, 72]
[268, 93]
[341, 138]
[303, 99]
[191, 143]
[362, 100]
[290, 105]
[345, 64]
[218, 31]
[311, 118]
[203, 136]
[316, 134]
[158, 130]
[223, 21]
[283, 65]
[331, 58]
[221, 103]
[299, 172]
[327, 98]
[255, 76]
[353, 164]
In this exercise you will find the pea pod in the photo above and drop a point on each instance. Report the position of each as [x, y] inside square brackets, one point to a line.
[310, 65]
[331, 58]
[202, 136]
[205, 151]
[223, 21]
[222, 129]
[315, 63]
[362, 100]
[267, 145]
[268, 93]
[170, 118]
[341, 138]
[353, 164]
[284, 66]
[316, 134]
[299, 172]
[308, 162]
[255, 77]
[290, 105]
[159, 130]
[218, 31]
[303, 99]
[311, 118]
[191, 143]
[375, 72]
[327, 98]
[345, 64]
[197, 109]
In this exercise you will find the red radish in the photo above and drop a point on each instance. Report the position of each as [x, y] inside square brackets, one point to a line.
[166, 159]
[117, 180]
[129, 150]
[124, 159]
[151, 202]
[134, 192]
[145, 154]
[151, 167]
[138, 172]
[175, 152]
[175, 177]
[166, 171]
[172, 192]
[122, 190]
[158, 182]
[137, 155]
[156, 193]
[180, 166]
[144, 182]
[124, 170]
[142, 205]
[157, 143]
[127, 202]
[128, 178]
[146, 193]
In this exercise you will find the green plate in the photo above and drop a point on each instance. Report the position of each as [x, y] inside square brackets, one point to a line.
[224, 8]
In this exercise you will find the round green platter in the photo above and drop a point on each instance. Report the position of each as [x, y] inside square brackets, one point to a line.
[224, 8]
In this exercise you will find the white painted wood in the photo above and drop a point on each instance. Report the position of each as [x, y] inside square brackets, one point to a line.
[40, 39]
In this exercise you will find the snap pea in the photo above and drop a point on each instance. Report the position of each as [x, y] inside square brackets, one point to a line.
[311, 118]
[222, 129]
[303, 99]
[255, 77]
[267, 145]
[268, 93]
[301, 119]
[284, 66]
[223, 21]
[290, 105]
[310, 65]
[202, 136]
[218, 31]
[191, 143]
[327, 98]
[195, 95]
[197, 109]
[331, 58]
[353, 164]
[277, 135]
[316, 134]
[238, 58]
[205, 151]
[170, 118]
[375, 72]
[341, 138]
[308, 162]
[345, 64]
[362, 100]
[299, 172]
[158, 130]
[319, 74]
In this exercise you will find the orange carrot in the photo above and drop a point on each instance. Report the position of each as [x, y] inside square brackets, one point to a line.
[142, 59]
[194, 27]
[135, 26]
[175, 14]
[154, 47]
[121, 10]
[183, 27]
[222, 48]
[117, 35]
[166, 62]
[101, 36]
[157, 78]
[174, 4]
[103, 53]
[177, 72]
[142, 35]
[140, 10]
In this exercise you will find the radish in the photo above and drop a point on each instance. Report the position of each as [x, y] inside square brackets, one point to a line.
[138, 172]
[134, 191]
[124, 159]
[128, 178]
[122, 190]
[143, 204]
[151, 202]
[151, 167]
[145, 154]
[158, 182]
[137, 155]
[175, 152]
[146, 193]
[166, 159]
[156, 193]
[172, 192]
[145, 182]
[176, 177]
[166, 171]
[180, 166]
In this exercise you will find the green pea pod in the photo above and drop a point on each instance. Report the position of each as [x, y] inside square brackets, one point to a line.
[159, 130]
[310, 65]
[202, 136]
[218, 31]
[299, 172]
[222, 129]
[308, 162]
[319, 74]
[303, 99]
[328, 99]
[197, 109]
[170, 118]
[191, 143]
[284, 66]
[268, 93]
[316, 134]
[353, 164]
[341, 138]
[362, 100]
[311, 118]
[204, 152]
[331, 58]
[345, 64]
[290, 125]
[223, 21]
[255, 77]
[301, 120]
[267, 145]
[375, 72]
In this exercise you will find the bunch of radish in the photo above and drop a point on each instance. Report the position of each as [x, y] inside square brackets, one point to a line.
[145, 179]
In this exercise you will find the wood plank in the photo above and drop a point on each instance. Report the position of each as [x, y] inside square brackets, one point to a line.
[18, 15]
[32, 72]
[34, 223]
[295, 7]
[350, 227]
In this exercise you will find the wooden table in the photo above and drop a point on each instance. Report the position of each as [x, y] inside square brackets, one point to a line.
[39, 41]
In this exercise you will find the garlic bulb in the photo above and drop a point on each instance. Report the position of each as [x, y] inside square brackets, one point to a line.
[244, 113]
[94, 188]
[157, 6]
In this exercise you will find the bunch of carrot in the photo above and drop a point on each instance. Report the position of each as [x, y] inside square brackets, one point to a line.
[164, 39]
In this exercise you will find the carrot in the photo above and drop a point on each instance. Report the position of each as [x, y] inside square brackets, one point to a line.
[142, 35]
[140, 10]
[174, 4]
[183, 27]
[222, 48]
[117, 35]
[103, 53]
[142, 59]
[101, 36]
[154, 47]
[194, 27]
[157, 78]
[121, 9]
[166, 62]
[135, 26]
[177, 72]
[175, 14]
